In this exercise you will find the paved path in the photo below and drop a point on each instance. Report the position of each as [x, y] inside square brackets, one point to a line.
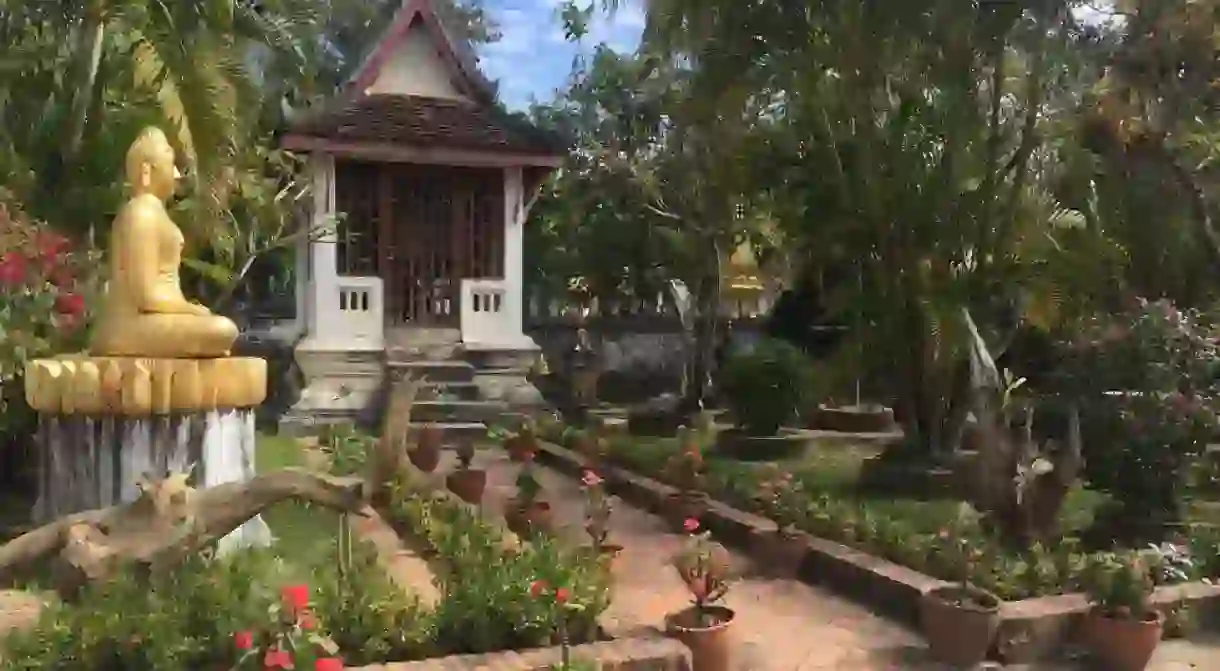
[782, 625]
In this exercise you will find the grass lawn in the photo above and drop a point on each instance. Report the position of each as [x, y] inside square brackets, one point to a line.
[301, 530]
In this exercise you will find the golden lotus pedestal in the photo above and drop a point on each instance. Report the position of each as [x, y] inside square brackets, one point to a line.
[107, 422]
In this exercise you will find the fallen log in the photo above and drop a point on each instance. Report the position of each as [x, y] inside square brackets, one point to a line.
[167, 523]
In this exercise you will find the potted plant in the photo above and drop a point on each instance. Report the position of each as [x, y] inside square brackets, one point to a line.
[684, 469]
[527, 514]
[959, 620]
[1123, 630]
[521, 442]
[427, 453]
[468, 483]
[703, 627]
[784, 501]
[598, 506]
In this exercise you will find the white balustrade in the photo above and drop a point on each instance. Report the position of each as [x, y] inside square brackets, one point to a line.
[486, 314]
[356, 306]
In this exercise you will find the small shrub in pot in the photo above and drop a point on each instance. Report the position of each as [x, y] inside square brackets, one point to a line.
[1123, 630]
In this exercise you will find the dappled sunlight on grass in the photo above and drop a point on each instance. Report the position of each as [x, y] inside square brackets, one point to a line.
[301, 530]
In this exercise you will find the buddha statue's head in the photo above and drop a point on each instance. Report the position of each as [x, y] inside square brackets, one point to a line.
[150, 165]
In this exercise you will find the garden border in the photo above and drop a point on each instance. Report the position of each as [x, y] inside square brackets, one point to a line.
[1031, 629]
[398, 559]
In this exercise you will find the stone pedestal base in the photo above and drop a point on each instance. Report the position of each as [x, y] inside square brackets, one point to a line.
[96, 462]
[107, 422]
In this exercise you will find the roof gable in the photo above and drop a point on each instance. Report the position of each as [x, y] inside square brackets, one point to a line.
[457, 58]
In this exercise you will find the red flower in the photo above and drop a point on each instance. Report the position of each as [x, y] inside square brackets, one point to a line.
[13, 269]
[296, 597]
[51, 245]
[278, 658]
[691, 525]
[328, 664]
[537, 588]
[308, 621]
[69, 304]
[61, 276]
[562, 595]
[244, 640]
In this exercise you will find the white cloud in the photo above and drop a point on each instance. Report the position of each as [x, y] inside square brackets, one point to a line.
[533, 57]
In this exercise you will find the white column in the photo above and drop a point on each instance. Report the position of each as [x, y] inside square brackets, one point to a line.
[514, 222]
[322, 291]
[301, 270]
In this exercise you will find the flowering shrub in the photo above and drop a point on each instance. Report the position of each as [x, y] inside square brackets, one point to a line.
[528, 487]
[782, 498]
[1119, 584]
[43, 306]
[685, 467]
[1146, 381]
[293, 640]
[598, 506]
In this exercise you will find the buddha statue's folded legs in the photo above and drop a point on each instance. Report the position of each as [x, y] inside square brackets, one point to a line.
[165, 336]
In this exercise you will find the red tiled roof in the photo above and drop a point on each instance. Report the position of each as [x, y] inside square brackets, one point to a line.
[416, 121]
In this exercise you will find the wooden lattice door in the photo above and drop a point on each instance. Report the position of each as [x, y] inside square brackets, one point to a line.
[439, 225]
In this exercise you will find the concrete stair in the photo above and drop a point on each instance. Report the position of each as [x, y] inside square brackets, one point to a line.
[449, 398]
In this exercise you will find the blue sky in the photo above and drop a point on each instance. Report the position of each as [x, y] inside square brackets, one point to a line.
[532, 59]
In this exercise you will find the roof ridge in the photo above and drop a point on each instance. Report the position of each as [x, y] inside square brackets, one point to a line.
[457, 54]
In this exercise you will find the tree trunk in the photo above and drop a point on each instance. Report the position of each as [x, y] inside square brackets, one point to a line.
[703, 346]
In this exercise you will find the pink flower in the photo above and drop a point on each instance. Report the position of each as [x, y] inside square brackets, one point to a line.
[691, 525]
[591, 479]
[244, 640]
[328, 664]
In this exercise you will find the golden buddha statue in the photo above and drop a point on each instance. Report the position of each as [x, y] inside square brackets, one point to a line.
[144, 313]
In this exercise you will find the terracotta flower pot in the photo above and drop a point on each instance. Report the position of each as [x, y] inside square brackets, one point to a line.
[684, 506]
[1123, 644]
[468, 484]
[531, 518]
[707, 637]
[427, 454]
[960, 623]
[782, 553]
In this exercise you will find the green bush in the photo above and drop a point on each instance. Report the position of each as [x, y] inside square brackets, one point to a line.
[486, 602]
[766, 386]
[188, 619]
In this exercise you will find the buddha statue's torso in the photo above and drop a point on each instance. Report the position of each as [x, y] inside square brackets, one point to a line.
[122, 293]
[145, 313]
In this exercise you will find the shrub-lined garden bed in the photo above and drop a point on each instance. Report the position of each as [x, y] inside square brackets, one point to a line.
[237, 612]
[945, 547]
[1032, 626]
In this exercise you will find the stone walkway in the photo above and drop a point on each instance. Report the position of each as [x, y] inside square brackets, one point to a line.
[781, 625]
